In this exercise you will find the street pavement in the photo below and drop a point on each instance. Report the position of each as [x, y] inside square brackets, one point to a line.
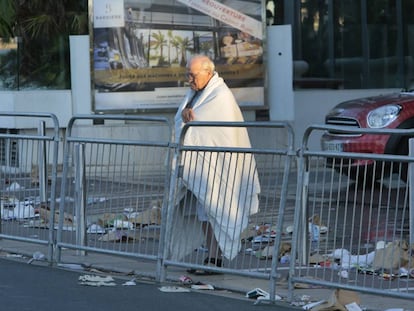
[38, 286]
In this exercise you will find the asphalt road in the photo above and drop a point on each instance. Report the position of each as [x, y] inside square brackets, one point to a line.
[26, 286]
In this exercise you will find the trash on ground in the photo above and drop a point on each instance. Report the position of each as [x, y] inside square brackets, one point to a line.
[94, 228]
[116, 236]
[122, 224]
[353, 306]
[393, 255]
[316, 228]
[130, 283]
[338, 300]
[43, 211]
[316, 259]
[254, 293]
[343, 274]
[199, 285]
[37, 256]
[95, 200]
[174, 289]
[284, 252]
[314, 304]
[94, 280]
[14, 255]
[260, 295]
[347, 260]
[388, 261]
[72, 266]
[14, 186]
[151, 216]
[14, 209]
[186, 279]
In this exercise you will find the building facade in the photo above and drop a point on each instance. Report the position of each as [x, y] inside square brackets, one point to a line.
[341, 49]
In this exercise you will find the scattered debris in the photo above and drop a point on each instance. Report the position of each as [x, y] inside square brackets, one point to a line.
[344, 274]
[44, 213]
[260, 294]
[130, 283]
[348, 260]
[37, 256]
[312, 305]
[268, 251]
[393, 255]
[14, 209]
[94, 280]
[14, 186]
[254, 293]
[97, 229]
[122, 224]
[94, 200]
[200, 285]
[338, 300]
[174, 289]
[316, 228]
[14, 255]
[71, 266]
[186, 280]
[151, 216]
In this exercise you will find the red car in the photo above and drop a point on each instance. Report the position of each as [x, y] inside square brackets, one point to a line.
[391, 111]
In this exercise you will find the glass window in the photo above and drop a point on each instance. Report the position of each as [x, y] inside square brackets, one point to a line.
[38, 32]
[9, 152]
[8, 63]
[350, 44]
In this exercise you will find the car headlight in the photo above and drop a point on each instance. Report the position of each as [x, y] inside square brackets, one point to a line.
[383, 116]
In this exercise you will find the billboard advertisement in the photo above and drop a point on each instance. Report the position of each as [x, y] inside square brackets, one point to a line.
[140, 49]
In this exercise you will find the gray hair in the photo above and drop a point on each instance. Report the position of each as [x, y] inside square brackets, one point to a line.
[206, 63]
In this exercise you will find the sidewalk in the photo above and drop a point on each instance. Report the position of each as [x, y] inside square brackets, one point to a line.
[37, 286]
[225, 284]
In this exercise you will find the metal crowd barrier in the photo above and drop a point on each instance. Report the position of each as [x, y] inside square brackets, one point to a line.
[212, 174]
[28, 179]
[352, 222]
[114, 187]
[327, 222]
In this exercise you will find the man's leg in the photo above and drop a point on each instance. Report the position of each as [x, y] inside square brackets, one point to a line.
[214, 252]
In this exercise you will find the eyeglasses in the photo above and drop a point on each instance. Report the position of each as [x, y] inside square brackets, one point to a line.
[191, 75]
[194, 75]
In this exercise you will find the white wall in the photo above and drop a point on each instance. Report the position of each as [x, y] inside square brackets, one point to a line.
[56, 102]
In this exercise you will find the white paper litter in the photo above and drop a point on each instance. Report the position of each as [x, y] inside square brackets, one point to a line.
[353, 306]
[174, 289]
[202, 286]
[130, 283]
[94, 280]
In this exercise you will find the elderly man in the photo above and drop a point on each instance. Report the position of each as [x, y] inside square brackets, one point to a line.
[224, 187]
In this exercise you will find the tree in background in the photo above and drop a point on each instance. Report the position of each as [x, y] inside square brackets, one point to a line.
[43, 28]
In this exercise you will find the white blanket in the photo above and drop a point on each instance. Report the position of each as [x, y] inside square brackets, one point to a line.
[225, 184]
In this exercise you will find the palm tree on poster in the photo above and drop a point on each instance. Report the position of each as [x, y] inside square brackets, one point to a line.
[185, 45]
[170, 38]
[158, 43]
[176, 45]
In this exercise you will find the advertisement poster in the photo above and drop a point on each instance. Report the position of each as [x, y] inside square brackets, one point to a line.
[141, 48]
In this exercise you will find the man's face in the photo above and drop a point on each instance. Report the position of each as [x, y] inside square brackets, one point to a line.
[197, 76]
